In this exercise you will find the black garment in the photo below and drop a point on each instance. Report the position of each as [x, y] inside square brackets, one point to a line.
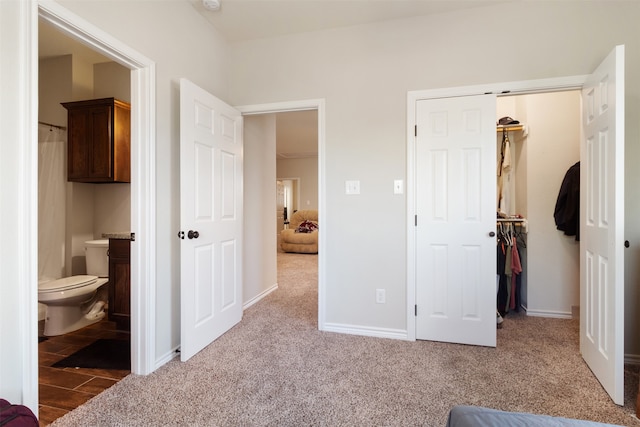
[567, 211]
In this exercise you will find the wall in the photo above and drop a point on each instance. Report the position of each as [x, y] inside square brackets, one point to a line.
[260, 269]
[307, 170]
[364, 73]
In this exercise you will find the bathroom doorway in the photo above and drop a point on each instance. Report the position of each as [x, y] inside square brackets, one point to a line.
[71, 213]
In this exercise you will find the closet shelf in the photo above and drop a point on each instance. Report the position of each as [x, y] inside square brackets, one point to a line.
[510, 128]
[517, 222]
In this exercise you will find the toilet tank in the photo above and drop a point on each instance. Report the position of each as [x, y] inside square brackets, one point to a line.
[97, 258]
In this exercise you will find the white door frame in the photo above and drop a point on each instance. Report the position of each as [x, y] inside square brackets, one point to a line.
[508, 88]
[319, 105]
[143, 176]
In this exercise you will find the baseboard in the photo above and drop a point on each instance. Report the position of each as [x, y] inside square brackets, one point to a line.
[259, 296]
[167, 357]
[632, 359]
[397, 334]
[549, 313]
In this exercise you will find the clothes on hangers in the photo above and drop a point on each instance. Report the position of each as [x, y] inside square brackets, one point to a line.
[509, 268]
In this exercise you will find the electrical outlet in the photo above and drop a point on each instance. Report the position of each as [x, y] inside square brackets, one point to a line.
[381, 296]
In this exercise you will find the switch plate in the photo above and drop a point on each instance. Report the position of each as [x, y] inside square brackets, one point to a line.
[381, 296]
[398, 187]
[352, 187]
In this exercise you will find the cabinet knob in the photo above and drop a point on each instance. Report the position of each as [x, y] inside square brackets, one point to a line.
[492, 234]
[193, 234]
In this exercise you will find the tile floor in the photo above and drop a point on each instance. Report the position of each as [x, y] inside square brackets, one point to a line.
[63, 389]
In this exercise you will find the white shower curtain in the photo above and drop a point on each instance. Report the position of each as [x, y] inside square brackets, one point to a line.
[51, 202]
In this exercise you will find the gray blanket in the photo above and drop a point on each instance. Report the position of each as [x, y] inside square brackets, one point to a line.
[473, 416]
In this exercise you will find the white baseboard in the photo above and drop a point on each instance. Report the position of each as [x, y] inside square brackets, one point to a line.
[397, 334]
[167, 357]
[549, 313]
[259, 296]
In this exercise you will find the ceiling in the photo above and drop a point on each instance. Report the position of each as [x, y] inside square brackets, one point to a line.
[239, 20]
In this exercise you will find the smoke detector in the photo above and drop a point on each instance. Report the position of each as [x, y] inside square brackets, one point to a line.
[211, 4]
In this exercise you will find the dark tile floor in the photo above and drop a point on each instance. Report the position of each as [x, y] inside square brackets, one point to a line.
[63, 389]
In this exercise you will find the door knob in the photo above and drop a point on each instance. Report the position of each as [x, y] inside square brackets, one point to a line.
[492, 234]
[193, 234]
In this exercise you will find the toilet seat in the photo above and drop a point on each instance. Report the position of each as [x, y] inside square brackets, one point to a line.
[67, 283]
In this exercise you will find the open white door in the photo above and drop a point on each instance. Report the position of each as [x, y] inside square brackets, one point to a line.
[210, 218]
[456, 220]
[602, 224]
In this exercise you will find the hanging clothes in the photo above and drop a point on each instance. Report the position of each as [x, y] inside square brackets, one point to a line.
[503, 173]
[567, 210]
[509, 268]
[516, 271]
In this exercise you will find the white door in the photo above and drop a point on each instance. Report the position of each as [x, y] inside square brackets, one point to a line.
[210, 218]
[602, 224]
[456, 220]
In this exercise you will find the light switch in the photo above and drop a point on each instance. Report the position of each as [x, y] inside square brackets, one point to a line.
[352, 187]
[398, 187]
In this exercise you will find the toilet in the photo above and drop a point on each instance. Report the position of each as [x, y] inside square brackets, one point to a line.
[77, 301]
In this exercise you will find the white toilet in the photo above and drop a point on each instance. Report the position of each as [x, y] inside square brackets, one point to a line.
[77, 301]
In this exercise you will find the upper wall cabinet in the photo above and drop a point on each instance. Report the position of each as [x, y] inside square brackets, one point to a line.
[99, 141]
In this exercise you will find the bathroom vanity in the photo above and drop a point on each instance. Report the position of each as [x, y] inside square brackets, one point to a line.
[120, 279]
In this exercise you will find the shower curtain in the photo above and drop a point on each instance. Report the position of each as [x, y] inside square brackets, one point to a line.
[51, 202]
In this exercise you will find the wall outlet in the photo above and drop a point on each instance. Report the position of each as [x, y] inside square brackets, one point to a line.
[381, 296]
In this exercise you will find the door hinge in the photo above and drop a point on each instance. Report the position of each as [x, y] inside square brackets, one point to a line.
[415, 312]
[415, 130]
[133, 237]
[415, 220]
[181, 235]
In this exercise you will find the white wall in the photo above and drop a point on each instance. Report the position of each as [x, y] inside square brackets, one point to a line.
[364, 74]
[260, 269]
[307, 170]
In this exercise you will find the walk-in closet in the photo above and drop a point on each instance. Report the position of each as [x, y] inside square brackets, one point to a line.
[540, 148]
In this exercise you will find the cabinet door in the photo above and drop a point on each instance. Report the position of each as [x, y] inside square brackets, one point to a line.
[90, 148]
[120, 283]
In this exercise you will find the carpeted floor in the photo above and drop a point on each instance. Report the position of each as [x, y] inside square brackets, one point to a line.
[276, 369]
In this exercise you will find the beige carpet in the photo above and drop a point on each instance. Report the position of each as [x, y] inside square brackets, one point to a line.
[276, 369]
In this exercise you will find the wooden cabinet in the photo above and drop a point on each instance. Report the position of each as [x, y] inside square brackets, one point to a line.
[99, 141]
[120, 283]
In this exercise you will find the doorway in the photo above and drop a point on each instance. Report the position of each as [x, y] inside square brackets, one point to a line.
[317, 108]
[72, 213]
[142, 215]
[287, 200]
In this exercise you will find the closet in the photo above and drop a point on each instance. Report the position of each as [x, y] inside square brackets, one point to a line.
[543, 146]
